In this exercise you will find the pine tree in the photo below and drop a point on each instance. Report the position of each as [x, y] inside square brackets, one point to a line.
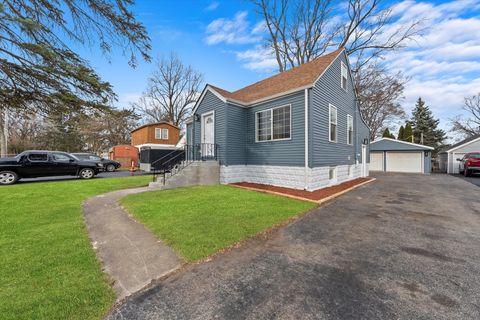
[408, 132]
[387, 134]
[425, 127]
[401, 133]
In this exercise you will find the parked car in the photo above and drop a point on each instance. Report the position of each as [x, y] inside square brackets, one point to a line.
[35, 163]
[107, 164]
[470, 163]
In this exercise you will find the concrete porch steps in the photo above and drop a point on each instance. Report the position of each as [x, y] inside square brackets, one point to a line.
[197, 173]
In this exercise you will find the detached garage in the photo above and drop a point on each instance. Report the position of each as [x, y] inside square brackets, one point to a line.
[447, 159]
[391, 155]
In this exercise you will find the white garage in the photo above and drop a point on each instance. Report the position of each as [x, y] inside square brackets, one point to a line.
[390, 155]
[447, 159]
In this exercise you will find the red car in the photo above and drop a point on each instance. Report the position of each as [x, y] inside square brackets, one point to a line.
[470, 163]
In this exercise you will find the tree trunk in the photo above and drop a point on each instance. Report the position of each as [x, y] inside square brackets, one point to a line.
[3, 138]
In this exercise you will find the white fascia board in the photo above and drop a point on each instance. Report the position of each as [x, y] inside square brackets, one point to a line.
[204, 92]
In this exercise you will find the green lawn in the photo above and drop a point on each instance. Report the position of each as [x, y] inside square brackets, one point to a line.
[198, 221]
[48, 269]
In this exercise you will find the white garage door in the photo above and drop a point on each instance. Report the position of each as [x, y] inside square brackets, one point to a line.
[404, 162]
[376, 161]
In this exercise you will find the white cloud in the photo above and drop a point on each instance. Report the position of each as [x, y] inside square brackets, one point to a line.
[232, 31]
[212, 6]
[259, 59]
[444, 64]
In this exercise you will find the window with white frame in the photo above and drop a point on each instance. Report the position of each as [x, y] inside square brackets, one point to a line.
[165, 134]
[349, 129]
[332, 173]
[273, 124]
[344, 76]
[158, 133]
[332, 119]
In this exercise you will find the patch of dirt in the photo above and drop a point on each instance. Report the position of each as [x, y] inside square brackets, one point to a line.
[313, 195]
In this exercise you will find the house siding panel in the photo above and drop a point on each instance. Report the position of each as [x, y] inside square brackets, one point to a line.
[236, 135]
[328, 91]
[211, 103]
[278, 153]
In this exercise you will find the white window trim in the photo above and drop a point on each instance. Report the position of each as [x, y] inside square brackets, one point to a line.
[271, 124]
[163, 131]
[330, 106]
[159, 136]
[350, 118]
[343, 67]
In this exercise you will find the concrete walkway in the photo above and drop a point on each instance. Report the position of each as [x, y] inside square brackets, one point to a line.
[129, 253]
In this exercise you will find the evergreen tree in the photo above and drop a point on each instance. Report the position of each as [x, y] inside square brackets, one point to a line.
[408, 132]
[425, 127]
[387, 134]
[401, 133]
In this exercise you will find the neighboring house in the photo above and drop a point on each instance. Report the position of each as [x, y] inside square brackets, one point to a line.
[390, 155]
[447, 159]
[156, 135]
[300, 129]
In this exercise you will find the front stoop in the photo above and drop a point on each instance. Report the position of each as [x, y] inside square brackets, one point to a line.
[197, 173]
[130, 254]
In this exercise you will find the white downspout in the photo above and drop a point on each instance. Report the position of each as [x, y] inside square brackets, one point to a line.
[306, 141]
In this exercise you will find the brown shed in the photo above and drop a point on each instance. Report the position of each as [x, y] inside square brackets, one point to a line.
[124, 154]
[156, 133]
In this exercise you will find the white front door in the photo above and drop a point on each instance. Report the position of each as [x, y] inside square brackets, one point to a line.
[208, 135]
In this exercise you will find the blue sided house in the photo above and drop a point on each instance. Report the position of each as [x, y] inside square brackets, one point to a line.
[300, 129]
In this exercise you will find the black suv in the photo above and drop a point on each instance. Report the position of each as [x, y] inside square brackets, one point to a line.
[34, 164]
[107, 164]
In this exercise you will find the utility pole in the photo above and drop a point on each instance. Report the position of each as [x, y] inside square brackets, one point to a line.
[421, 137]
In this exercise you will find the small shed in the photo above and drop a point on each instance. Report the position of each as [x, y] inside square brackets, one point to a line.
[390, 155]
[447, 159]
[124, 154]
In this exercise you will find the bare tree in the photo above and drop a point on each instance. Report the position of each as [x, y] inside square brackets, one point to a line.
[171, 92]
[470, 126]
[302, 30]
[379, 95]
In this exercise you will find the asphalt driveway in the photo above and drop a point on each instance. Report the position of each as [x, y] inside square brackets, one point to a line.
[403, 247]
[474, 179]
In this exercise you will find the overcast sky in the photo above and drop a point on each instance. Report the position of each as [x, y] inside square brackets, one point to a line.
[222, 39]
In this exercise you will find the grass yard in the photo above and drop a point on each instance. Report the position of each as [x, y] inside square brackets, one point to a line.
[48, 269]
[199, 221]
